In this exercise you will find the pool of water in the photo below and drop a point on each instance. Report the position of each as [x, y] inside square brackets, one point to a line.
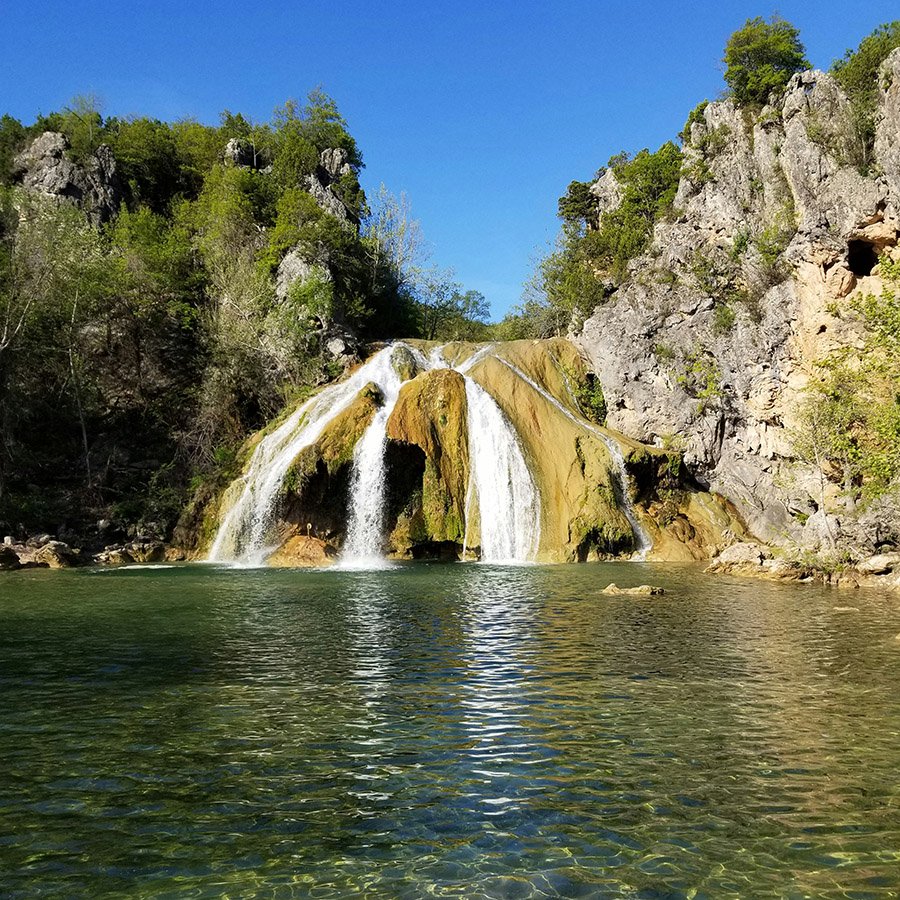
[446, 730]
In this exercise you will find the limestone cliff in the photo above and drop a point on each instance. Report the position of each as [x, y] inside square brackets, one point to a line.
[709, 342]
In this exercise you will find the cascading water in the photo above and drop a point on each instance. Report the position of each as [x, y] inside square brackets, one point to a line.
[244, 533]
[500, 481]
[508, 502]
[642, 541]
[365, 528]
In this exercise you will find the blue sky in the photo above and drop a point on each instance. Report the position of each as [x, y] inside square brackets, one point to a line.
[481, 112]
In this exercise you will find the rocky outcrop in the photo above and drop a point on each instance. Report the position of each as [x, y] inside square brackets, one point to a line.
[430, 416]
[642, 590]
[708, 345]
[57, 555]
[303, 551]
[9, 559]
[333, 167]
[46, 168]
[753, 560]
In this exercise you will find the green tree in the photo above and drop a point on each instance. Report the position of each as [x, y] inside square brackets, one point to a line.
[578, 205]
[12, 139]
[857, 73]
[761, 57]
[82, 122]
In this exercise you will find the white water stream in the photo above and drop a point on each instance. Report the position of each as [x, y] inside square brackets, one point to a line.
[244, 534]
[368, 482]
[642, 541]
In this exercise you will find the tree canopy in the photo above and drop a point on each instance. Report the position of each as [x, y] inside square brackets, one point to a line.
[761, 57]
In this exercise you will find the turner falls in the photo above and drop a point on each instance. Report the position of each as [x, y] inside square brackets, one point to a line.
[500, 481]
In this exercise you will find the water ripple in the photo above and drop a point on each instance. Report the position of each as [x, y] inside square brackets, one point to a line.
[445, 731]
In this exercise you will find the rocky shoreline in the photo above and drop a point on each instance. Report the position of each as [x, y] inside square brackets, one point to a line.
[743, 559]
[45, 552]
[753, 560]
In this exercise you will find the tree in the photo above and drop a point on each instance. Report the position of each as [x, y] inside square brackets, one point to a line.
[761, 57]
[447, 312]
[578, 204]
[12, 138]
[857, 74]
[83, 124]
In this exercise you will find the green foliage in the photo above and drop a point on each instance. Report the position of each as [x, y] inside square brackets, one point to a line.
[137, 357]
[857, 73]
[12, 140]
[850, 424]
[589, 394]
[694, 117]
[701, 378]
[760, 59]
[573, 279]
[148, 160]
[774, 239]
[82, 123]
[649, 183]
[578, 205]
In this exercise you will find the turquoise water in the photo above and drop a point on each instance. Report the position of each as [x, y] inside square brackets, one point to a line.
[447, 730]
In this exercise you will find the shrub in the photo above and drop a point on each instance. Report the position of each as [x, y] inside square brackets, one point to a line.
[857, 73]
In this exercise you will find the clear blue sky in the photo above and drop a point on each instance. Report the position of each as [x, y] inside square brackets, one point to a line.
[481, 111]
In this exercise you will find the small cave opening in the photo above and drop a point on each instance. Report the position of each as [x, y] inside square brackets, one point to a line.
[861, 257]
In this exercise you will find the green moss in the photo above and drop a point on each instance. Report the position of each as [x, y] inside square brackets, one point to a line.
[443, 520]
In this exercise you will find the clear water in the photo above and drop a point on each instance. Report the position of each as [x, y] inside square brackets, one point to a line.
[463, 730]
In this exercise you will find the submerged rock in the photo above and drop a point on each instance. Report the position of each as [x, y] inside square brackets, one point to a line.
[642, 590]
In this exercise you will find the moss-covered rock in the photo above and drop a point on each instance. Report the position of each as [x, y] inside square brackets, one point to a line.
[431, 414]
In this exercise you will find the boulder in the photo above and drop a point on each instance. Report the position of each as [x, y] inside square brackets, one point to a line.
[333, 165]
[9, 559]
[299, 265]
[114, 556]
[881, 564]
[303, 551]
[57, 555]
[743, 557]
[45, 167]
[642, 590]
[147, 551]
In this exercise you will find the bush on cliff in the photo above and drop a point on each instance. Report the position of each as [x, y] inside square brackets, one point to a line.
[761, 57]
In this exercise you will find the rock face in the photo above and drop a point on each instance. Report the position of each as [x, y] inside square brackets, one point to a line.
[714, 335]
[431, 485]
[333, 166]
[46, 168]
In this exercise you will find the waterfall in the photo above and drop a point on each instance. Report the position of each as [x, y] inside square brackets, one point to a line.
[244, 533]
[621, 481]
[500, 481]
[508, 501]
[368, 484]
